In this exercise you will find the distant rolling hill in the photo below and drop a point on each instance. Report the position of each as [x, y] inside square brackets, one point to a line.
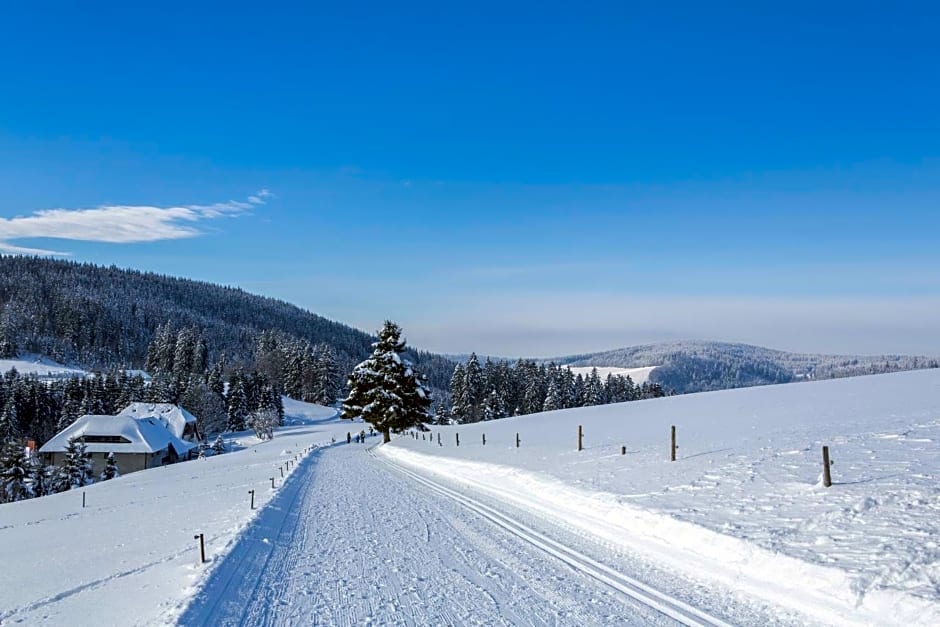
[698, 366]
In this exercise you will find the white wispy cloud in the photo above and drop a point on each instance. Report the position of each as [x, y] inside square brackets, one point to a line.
[118, 224]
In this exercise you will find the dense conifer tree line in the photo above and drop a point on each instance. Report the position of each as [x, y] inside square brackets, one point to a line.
[497, 389]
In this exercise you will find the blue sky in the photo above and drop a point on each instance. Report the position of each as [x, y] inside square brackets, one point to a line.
[508, 178]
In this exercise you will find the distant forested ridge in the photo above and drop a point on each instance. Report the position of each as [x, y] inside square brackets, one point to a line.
[700, 366]
[105, 318]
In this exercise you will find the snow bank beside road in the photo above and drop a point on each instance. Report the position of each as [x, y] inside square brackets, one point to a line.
[129, 557]
[824, 593]
[747, 481]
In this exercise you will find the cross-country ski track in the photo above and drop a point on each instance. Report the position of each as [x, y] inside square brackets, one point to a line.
[353, 539]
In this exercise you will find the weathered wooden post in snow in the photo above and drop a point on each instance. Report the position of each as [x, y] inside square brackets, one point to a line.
[252, 493]
[674, 447]
[202, 547]
[827, 474]
[580, 438]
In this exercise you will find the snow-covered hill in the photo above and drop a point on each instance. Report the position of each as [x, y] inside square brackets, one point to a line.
[129, 556]
[638, 375]
[697, 366]
[743, 503]
[40, 366]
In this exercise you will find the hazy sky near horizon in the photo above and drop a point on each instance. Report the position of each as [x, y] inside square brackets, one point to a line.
[506, 178]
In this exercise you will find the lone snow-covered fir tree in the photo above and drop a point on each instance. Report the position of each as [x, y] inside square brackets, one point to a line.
[385, 390]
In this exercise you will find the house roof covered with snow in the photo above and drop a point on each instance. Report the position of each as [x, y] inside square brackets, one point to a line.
[173, 416]
[118, 434]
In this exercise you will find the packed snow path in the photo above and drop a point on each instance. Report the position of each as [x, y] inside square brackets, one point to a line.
[352, 541]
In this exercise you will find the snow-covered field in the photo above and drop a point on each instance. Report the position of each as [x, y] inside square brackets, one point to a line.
[743, 504]
[39, 365]
[639, 375]
[129, 556]
[742, 507]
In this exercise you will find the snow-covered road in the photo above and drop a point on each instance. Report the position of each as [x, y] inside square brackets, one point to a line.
[352, 540]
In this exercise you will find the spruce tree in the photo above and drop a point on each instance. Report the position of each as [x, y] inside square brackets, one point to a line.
[40, 478]
[218, 447]
[326, 375]
[473, 385]
[14, 470]
[9, 423]
[384, 389]
[76, 467]
[460, 405]
[237, 401]
[440, 417]
[110, 468]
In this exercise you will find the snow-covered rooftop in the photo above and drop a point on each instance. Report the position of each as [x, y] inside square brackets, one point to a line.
[174, 417]
[137, 435]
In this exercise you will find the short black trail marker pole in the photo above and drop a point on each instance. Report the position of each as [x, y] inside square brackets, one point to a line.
[580, 438]
[282, 472]
[458, 438]
[272, 483]
[252, 493]
[674, 447]
[484, 439]
[83, 499]
[827, 473]
[517, 440]
[623, 450]
[202, 547]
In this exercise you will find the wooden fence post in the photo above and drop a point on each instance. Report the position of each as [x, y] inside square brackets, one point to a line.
[83, 499]
[458, 438]
[439, 439]
[252, 493]
[202, 547]
[674, 447]
[484, 439]
[827, 474]
[517, 440]
[580, 438]
[272, 483]
[282, 472]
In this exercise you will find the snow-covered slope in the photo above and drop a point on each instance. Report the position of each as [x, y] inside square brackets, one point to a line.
[129, 557]
[41, 366]
[638, 375]
[743, 503]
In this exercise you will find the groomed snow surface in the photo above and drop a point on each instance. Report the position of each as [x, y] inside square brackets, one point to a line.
[738, 527]
[743, 504]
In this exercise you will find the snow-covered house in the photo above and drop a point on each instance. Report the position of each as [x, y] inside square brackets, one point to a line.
[137, 443]
[175, 418]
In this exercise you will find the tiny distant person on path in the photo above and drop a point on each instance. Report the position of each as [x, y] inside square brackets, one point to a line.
[348, 438]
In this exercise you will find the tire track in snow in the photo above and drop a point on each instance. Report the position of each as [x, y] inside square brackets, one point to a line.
[669, 606]
[366, 546]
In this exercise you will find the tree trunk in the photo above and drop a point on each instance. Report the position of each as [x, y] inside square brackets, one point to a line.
[386, 438]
